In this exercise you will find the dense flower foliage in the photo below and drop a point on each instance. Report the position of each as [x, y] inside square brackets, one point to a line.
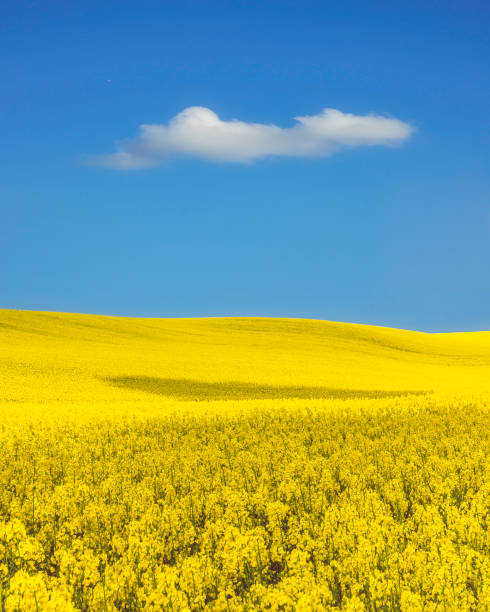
[357, 507]
[364, 501]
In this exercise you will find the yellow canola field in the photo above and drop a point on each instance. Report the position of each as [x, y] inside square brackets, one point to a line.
[241, 464]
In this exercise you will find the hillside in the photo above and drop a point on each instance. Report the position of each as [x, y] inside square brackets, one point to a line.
[237, 464]
[46, 357]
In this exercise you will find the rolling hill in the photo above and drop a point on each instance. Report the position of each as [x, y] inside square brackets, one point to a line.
[236, 464]
[52, 357]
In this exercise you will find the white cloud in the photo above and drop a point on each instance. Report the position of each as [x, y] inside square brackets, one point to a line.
[199, 132]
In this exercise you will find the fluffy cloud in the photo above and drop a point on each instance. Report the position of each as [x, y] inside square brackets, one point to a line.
[199, 132]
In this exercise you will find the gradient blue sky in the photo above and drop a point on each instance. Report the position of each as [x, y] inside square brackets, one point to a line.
[396, 236]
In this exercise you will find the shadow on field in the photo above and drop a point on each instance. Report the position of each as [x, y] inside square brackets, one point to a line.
[186, 389]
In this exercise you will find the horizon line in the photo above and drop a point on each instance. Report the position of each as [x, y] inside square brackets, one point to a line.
[280, 318]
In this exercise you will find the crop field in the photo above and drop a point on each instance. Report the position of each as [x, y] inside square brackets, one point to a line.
[241, 464]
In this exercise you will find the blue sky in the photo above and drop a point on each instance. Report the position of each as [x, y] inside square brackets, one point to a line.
[393, 234]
